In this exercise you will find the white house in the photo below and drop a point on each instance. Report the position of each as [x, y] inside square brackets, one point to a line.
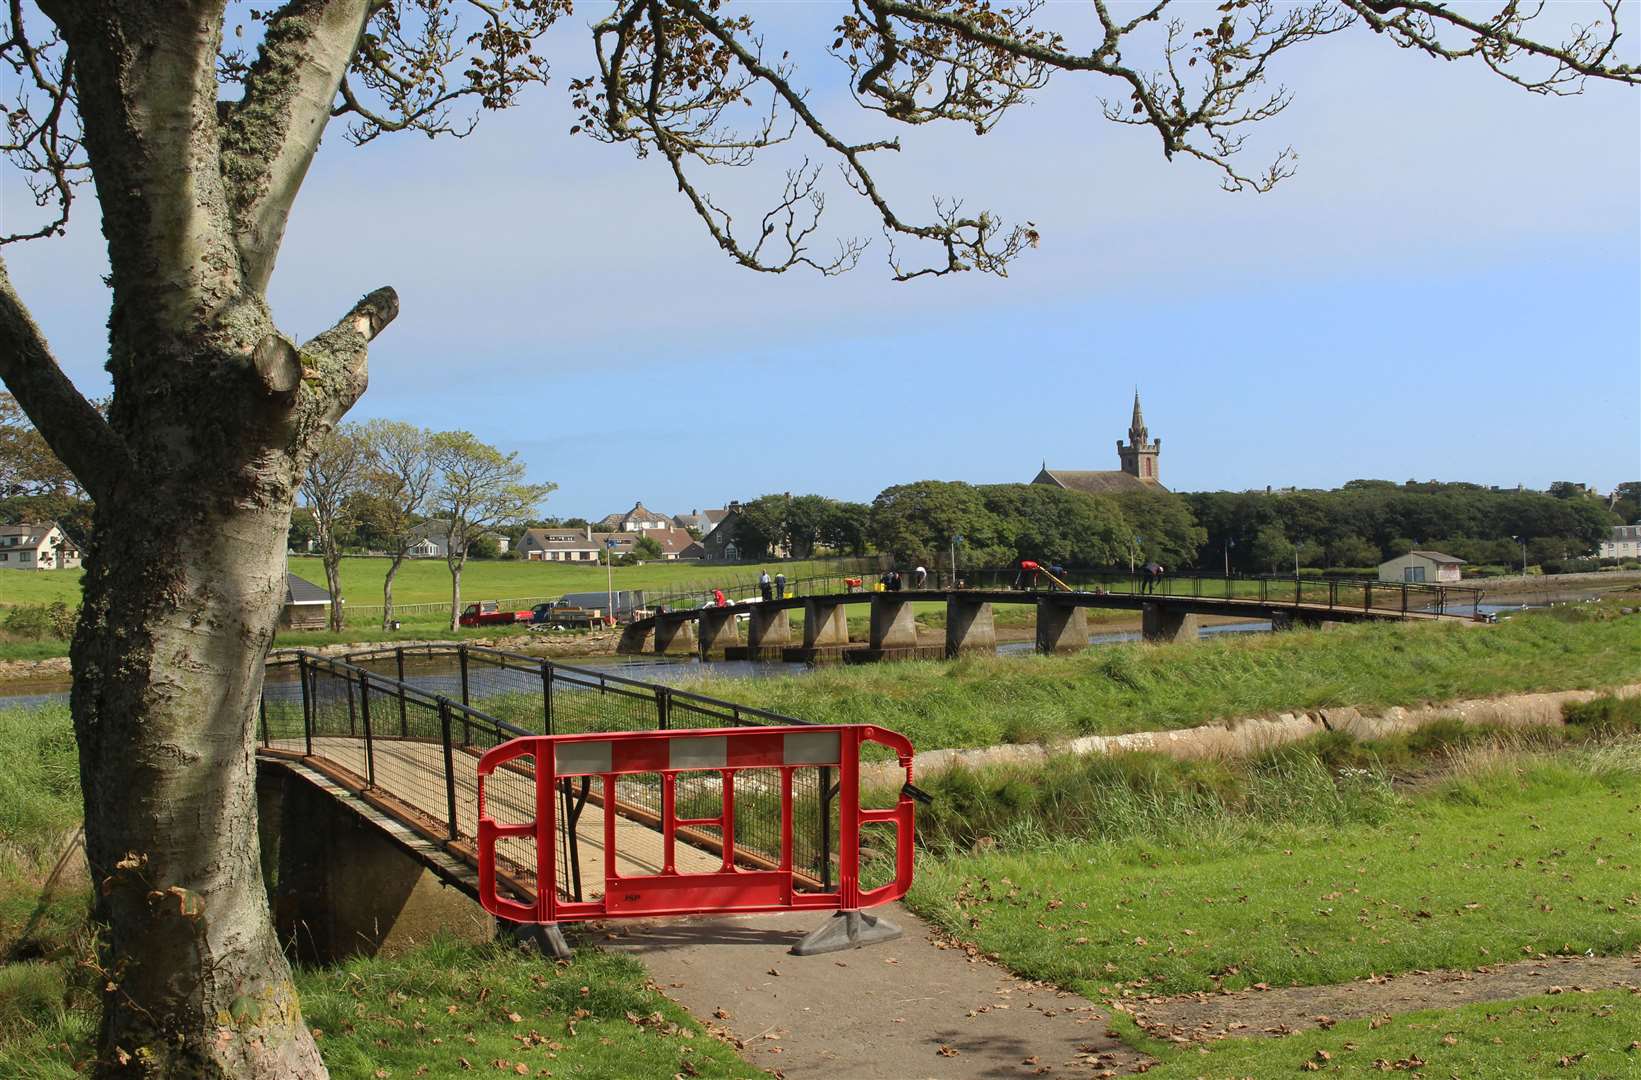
[639, 519]
[1421, 567]
[1625, 543]
[433, 540]
[36, 546]
[560, 545]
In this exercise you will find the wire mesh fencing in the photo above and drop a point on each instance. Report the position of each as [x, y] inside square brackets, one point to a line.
[410, 724]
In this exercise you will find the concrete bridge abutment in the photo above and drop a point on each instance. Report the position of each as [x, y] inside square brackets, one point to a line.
[636, 639]
[1161, 623]
[768, 626]
[970, 627]
[1061, 627]
[339, 887]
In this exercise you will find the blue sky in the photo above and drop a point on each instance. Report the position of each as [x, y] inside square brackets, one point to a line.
[1450, 288]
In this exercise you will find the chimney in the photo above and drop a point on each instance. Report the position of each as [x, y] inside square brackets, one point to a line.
[589, 531]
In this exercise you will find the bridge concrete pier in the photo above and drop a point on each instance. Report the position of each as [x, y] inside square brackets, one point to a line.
[1159, 623]
[674, 636]
[825, 624]
[894, 623]
[716, 630]
[768, 627]
[343, 887]
[970, 627]
[1061, 627]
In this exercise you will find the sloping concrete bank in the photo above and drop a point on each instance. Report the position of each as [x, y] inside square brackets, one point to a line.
[1246, 737]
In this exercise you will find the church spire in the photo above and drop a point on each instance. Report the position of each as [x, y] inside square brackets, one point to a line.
[1136, 428]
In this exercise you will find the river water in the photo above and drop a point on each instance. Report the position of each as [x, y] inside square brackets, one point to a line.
[670, 670]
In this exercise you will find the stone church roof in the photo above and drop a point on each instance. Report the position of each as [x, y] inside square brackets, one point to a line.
[1095, 482]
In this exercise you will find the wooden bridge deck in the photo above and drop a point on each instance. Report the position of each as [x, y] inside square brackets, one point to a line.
[411, 773]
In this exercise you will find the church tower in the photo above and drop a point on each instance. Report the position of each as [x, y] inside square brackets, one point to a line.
[1139, 456]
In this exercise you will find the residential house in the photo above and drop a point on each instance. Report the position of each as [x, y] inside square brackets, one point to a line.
[639, 519]
[432, 540]
[1421, 567]
[723, 543]
[560, 545]
[36, 546]
[702, 521]
[1625, 543]
[585, 545]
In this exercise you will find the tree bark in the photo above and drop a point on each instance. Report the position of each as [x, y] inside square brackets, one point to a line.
[178, 613]
[387, 590]
[455, 595]
[333, 582]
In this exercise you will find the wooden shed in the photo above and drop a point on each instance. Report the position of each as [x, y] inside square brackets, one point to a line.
[307, 606]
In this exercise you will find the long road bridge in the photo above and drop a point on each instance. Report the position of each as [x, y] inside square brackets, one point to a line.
[368, 800]
[1170, 610]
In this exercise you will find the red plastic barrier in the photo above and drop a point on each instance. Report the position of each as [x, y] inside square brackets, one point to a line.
[723, 751]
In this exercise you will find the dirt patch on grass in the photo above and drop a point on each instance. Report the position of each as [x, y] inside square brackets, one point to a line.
[1288, 1010]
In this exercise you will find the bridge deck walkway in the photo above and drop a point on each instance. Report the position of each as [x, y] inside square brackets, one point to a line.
[411, 773]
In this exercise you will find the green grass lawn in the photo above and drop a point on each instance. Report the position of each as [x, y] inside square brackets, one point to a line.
[428, 580]
[1575, 1035]
[440, 1010]
[982, 701]
[1516, 854]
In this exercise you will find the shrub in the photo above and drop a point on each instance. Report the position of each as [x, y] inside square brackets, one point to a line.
[40, 621]
[1604, 717]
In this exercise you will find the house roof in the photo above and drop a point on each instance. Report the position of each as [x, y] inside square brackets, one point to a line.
[559, 540]
[1436, 556]
[33, 533]
[1095, 482]
[639, 513]
[300, 591]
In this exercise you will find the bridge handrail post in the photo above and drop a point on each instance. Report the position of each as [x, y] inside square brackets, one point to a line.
[306, 677]
[1404, 598]
[1367, 597]
[404, 722]
[449, 765]
[462, 651]
[1298, 591]
[364, 716]
[353, 709]
[547, 695]
[1333, 595]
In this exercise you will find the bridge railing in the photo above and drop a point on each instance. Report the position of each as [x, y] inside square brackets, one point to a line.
[368, 711]
[1347, 594]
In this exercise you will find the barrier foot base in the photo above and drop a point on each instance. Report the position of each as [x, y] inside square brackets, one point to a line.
[547, 937]
[846, 930]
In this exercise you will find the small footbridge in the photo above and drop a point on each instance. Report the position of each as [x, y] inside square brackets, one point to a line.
[369, 802]
[1171, 610]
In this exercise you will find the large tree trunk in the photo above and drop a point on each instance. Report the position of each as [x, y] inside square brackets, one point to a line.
[181, 596]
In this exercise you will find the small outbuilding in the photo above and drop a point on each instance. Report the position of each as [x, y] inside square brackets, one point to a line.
[307, 606]
[1421, 568]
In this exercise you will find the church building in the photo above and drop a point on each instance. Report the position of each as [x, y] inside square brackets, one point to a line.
[1139, 465]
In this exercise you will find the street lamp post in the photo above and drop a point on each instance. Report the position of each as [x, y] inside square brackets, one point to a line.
[957, 538]
[1229, 544]
[609, 577]
[1522, 540]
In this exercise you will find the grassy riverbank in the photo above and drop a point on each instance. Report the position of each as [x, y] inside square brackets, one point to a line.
[1110, 689]
[1565, 1034]
[438, 1010]
[1309, 875]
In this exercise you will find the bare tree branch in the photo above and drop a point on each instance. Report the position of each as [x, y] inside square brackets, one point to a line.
[71, 425]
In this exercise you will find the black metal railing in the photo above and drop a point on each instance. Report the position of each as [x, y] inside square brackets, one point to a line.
[410, 722]
[1334, 593]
